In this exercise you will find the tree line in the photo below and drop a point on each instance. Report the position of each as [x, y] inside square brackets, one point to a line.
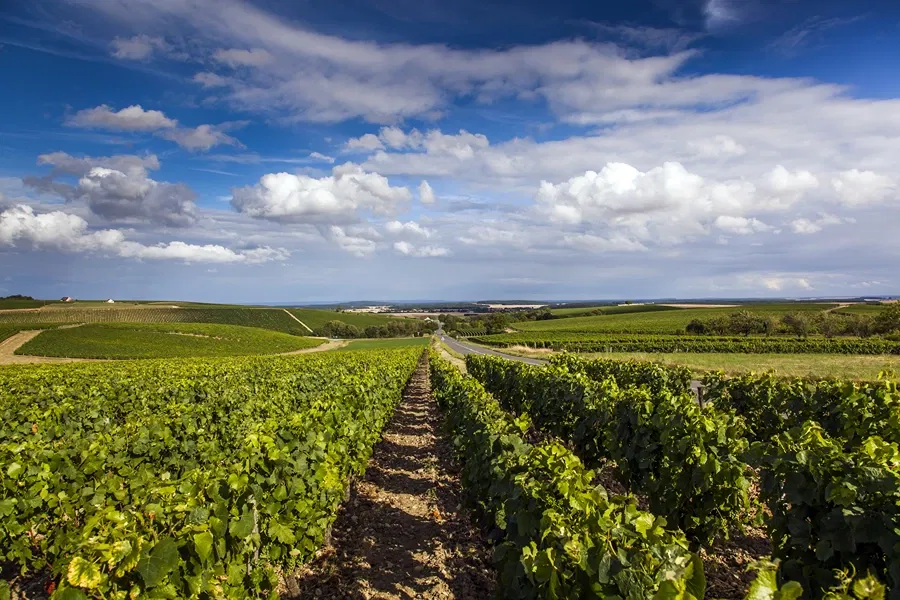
[828, 324]
[394, 328]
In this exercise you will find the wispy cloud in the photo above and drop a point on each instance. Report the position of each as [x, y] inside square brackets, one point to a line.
[215, 172]
[646, 38]
[809, 34]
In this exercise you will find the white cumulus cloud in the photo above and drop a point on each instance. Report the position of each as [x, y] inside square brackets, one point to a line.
[858, 188]
[341, 197]
[58, 231]
[132, 118]
[426, 194]
[410, 228]
[408, 249]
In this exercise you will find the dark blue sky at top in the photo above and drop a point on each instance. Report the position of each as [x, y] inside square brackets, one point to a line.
[53, 67]
[55, 60]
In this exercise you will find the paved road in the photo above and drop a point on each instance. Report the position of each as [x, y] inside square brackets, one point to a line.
[466, 348]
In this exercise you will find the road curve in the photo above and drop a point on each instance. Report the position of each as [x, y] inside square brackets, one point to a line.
[466, 348]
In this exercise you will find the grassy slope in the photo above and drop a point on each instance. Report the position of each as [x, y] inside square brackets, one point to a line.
[387, 343]
[668, 321]
[162, 341]
[611, 310]
[863, 309]
[317, 318]
[275, 319]
[6, 304]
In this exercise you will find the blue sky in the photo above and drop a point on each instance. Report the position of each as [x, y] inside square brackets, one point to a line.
[395, 149]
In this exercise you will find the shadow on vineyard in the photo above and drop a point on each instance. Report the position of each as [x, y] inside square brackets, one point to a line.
[402, 532]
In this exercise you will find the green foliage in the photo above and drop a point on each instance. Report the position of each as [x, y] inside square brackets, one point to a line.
[390, 329]
[630, 372]
[849, 411]
[610, 310]
[276, 319]
[265, 318]
[144, 340]
[17, 301]
[832, 509]
[686, 459]
[848, 587]
[420, 342]
[587, 342]
[661, 322]
[888, 320]
[561, 537]
[169, 478]
[7, 331]
[316, 319]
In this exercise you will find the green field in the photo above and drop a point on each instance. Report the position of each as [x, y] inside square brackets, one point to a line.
[420, 342]
[611, 309]
[315, 319]
[275, 319]
[17, 303]
[863, 309]
[131, 340]
[794, 365]
[669, 321]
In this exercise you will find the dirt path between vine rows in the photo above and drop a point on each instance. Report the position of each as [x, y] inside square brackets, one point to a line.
[9, 346]
[329, 345]
[403, 532]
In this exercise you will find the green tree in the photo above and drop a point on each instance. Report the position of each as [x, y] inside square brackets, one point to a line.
[888, 320]
[796, 323]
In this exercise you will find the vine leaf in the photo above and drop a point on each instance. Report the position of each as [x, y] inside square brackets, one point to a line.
[154, 566]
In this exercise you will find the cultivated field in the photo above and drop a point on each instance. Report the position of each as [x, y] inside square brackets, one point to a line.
[275, 319]
[660, 322]
[318, 318]
[183, 479]
[135, 340]
[812, 454]
[611, 310]
[594, 342]
[420, 342]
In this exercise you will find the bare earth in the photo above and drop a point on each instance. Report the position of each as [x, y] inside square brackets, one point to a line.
[329, 345]
[9, 346]
[403, 533]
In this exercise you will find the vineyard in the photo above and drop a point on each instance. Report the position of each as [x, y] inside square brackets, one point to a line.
[145, 340]
[188, 479]
[819, 458]
[661, 322]
[205, 478]
[588, 342]
[275, 319]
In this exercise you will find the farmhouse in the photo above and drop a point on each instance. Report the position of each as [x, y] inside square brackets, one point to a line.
[68, 299]
[110, 301]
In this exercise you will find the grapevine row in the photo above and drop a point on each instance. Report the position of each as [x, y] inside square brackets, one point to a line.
[835, 504]
[184, 479]
[687, 459]
[562, 537]
[587, 342]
